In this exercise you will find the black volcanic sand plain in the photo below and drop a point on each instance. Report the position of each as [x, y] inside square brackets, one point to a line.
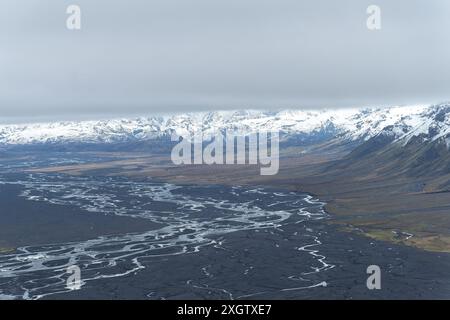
[361, 199]
[373, 206]
[251, 264]
[254, 265]
[25, 223]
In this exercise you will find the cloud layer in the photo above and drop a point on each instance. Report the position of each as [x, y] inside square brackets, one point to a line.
[143, 57]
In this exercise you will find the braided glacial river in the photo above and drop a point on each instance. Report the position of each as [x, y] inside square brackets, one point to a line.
[208, 242]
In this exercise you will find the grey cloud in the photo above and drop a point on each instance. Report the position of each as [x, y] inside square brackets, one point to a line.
[141, 57]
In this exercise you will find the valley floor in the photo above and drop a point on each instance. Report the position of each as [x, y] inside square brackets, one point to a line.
[193, 242]
[392, 208]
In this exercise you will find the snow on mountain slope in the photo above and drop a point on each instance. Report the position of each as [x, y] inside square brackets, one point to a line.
[430, 126]
[351, 124]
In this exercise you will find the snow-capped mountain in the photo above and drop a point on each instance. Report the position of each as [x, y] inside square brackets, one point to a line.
[402, 123]
[414, 145]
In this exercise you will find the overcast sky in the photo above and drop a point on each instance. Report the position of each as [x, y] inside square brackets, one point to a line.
[136, 57]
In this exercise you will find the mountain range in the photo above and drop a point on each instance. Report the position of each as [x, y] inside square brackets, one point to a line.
[412, 140]
[404, 124]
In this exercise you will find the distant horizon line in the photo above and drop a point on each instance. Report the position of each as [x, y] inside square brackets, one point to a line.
[138, 115]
